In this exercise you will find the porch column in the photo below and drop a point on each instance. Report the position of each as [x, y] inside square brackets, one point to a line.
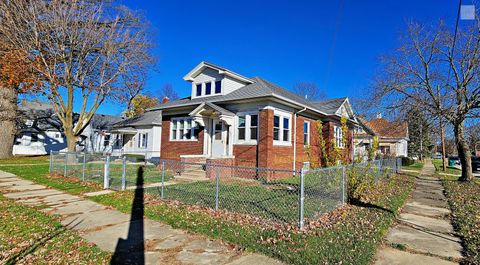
[230, 140]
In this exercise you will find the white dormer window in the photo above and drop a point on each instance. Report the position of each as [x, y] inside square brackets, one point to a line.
[198, 91]
[218, 87]
[208, 88]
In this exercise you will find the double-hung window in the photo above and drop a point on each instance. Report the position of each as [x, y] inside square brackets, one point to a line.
[198, 91]
[218, 87]
[247, 128]
[306, 133]
[183, 129]
[282, 129]
[142, 140]
[208, 88]
[338, 136]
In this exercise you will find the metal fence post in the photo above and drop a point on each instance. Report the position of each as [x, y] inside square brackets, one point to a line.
[124, 173]
[217, 176]
[65, 167]
[163, 179]
[50, 168]
[84, 164]
[301, 219]
[343, 185]
[106, 177]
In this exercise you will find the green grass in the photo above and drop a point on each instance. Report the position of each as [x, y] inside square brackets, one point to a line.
[28, 236]
[464, 200]
[268, 201]
[450, 170]
[39, 174]
[94, 172]
[416, 166]
[351, 238]
[348, 236]
[25, 160]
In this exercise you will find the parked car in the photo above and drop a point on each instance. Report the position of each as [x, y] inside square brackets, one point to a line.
[437, 156]
[453, 161]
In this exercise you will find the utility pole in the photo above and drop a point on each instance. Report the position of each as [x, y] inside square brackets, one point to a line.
[442, 133]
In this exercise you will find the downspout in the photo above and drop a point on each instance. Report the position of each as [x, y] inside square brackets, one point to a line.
[295, 137]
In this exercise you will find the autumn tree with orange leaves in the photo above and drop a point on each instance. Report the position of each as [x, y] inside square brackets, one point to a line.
[16, 76]
[82, 53]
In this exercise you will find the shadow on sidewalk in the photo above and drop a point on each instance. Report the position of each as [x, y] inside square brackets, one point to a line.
[132, 249]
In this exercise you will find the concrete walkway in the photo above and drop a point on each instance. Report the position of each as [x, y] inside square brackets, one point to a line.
[423, 230]
[133, 240]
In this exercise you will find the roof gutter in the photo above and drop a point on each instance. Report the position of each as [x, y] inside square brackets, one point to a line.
[295, 137]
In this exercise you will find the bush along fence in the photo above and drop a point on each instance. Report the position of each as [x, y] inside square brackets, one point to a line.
[278, 195]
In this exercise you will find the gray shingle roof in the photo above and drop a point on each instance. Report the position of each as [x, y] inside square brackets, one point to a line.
[148, 118]
[219, 109]
[260, 88]
[329, 106]
[104, 121]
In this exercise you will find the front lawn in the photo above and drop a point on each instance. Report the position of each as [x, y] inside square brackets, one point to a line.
[417, 166]
[438, 163]
[349, 235]
[464, 200]
[28, 236]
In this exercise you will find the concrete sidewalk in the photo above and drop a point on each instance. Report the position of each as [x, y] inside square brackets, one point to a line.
[147, 241]
[423, 230]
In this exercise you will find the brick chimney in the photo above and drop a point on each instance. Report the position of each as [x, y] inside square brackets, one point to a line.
[165, 100]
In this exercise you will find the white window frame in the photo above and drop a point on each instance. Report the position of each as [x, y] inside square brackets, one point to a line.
[307, 143]
[282, 115]
[248, 119]
[338, 136]
[193, 125]
[143, 140]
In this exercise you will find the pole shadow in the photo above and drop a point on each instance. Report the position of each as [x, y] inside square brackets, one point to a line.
[132, 249]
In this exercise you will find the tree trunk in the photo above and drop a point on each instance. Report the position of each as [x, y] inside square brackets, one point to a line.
[8, 114]
[71, 139]
[463, 151]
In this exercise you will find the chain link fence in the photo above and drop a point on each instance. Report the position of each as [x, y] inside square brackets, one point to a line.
[279, 195]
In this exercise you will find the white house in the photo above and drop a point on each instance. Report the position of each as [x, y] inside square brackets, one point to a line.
[139, 135]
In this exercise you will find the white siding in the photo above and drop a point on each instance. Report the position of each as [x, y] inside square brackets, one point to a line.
[229, 85]
[402, 148]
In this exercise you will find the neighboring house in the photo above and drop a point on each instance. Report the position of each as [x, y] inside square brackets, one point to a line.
[39, 131]
[96, 137]
[139, 135]
[231, 119]
[363, 140]
[392, 136]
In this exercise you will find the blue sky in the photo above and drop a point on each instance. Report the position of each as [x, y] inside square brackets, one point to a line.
[282, 41]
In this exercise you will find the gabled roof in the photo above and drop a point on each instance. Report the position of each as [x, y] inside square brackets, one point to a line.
[148, 118]
[364, 124]
[257, 88]
[260, 88]
[221, 70]
[104, 121]
[383, 128]
[215, 108]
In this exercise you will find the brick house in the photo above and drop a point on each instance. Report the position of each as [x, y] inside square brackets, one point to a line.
[234, 120]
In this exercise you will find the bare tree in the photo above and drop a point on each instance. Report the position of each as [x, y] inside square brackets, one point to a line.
[168, 91]
[309, 90]
[424, 73]
[84, 52]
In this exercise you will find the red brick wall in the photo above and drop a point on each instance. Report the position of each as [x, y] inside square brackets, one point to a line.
[245, 155]
[173, 149]
[265, 139]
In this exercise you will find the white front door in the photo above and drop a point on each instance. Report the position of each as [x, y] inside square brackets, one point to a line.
[218, 138]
